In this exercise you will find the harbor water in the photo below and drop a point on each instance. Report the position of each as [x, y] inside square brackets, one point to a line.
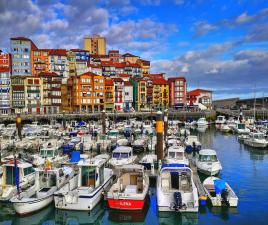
[244, 168]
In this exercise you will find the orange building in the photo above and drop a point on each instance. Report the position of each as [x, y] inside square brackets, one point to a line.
[109, 95]
[40, 62]
[86, 93]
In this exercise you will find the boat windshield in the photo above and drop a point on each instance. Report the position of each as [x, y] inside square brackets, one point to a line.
[88, 175]
[102, 137]
[124, 155]
[43, 153]
[177, 155]
[50, 153]
[259, 136]
[47, 180]
[241, 126]
[10, 175]
[208, 158]
[113, 133]
[116, 155]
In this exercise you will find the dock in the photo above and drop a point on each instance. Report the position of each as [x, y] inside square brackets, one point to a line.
[197, 181]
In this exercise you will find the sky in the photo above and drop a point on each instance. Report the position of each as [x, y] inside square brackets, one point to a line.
[220, 45]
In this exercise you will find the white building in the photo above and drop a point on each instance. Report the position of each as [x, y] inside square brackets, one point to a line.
[5, 104]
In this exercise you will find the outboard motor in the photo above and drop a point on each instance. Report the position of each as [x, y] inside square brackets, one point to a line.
[224, 195]
[177, 200]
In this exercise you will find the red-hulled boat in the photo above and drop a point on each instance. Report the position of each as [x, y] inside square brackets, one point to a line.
[130, 190]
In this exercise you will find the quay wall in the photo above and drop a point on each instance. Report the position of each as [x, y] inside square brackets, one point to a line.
[173, 115]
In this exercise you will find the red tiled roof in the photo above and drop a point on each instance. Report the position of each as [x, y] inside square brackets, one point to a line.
[127, 83]
[98, 56]
[176, 78]
[4, 69]
[113, 51]
[159, 81]
[89, 74]
[144, 62]
[109, 82]
[93, 65]
[117, 79]
[78, 50]
[48, 74]
[57, 52]
[154, 75]
[197, 92]
[123, 75]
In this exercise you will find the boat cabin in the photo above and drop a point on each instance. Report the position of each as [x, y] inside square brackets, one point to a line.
[176, 152]
[8, 177]
[207, 155]
[241, 126]
[122, 152]
[176, 177]
[259, 136]
[91, 173]
[220, 118]
[113, 133]
[49, 152]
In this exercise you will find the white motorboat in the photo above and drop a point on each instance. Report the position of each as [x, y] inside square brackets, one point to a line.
[87, 143]
[122, 155]
[47, 182]
[242, 137]
[103, 143]
[207, 162]
[8, 185]
[93, 179]
[122, 142]
[219, 192]
[225, 128]
[176, 190]
[202, 122]
[241, 128]
[113, 135]
[192, 142]
[140, 145]
[130, 190]
[148, 161]
[256, 140]
[184, 132]
[50, 151]
[220, 120]
[176, 154]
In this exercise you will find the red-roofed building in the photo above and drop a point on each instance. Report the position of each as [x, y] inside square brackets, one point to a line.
[5, 60]
[21, 48]
[200, 98]
[127, 96]
[145, 66]
[109, 95]
[160, 93]
[118, 93]
[5, 104]
[58, 63]
[114, 55]
[177, 92]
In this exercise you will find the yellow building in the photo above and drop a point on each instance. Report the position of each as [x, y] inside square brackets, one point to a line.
[71, 56]
[145, 66]
[160, 93]
[109, 95]
[96, 45]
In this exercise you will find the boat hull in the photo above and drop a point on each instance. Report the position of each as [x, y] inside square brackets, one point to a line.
[31, 206]
[126, 204]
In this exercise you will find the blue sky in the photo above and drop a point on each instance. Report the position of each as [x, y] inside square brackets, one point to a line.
[220, 45]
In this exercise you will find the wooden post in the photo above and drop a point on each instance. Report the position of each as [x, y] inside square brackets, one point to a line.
[159, 135]
[19, 126]
[103, 122]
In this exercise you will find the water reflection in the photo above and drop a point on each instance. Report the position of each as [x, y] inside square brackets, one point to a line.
[177, 218]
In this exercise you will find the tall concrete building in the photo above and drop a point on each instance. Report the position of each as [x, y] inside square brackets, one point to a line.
[96, 45]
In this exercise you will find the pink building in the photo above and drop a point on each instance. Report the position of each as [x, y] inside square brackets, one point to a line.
[177, 92]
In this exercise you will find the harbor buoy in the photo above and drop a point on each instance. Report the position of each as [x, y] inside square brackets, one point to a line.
[203, 200]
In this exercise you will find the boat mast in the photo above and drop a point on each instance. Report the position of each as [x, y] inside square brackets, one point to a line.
[254, 106]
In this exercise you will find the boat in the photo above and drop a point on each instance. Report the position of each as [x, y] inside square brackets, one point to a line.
[140, 145]
[103, 143]
[225, 128]
[148, 161]
[202, 122]
[241, 128]
[50, 150]
[176, 154]
[10, 180]
[113, 135]
[122, 142]
[220, 120]
[192, 142]
[87, 143]
[130, 190]
[93, 179]
[207, 162]
[220, 192]
[122, 155]
[256, 140]
[40, 195]
[176, 190]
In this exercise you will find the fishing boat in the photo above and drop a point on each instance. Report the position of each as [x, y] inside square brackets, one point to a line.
[51, 151]
[220, 120]
[47, 182]
[241, 128]
[207, 162]
[192, 142]
[140, 145]
[93, 179]
[242, 137]
[130, 190]
[225, 128]
[16, 174]
[202, 122]
[220, 192]
[256, 140]
[176, 190]
[103, 143]
[121, 156]
[176, 154]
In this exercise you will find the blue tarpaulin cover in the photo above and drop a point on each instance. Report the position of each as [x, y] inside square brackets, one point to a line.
[219, 185]
[75, 156]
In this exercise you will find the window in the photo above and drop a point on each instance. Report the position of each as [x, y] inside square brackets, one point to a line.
[28, 171]
[88, 176]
